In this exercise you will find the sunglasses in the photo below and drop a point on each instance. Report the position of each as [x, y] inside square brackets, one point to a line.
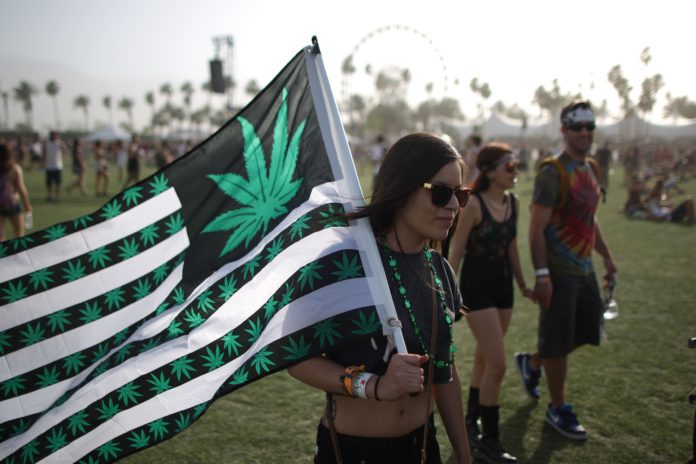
[578, 126]
[441, 194]
[510, 166]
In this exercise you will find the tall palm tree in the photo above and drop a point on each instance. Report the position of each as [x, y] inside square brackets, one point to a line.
[150, 100]
[23, 93]
[5, 97]
[82, 102]
[187, 91]
[166, 90]
[52, 89]
[106, 101]
[126, 104]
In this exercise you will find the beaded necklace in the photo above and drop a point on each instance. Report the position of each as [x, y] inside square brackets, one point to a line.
[393, 265]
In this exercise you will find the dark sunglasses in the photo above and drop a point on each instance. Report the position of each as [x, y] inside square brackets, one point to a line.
[578, 126]
[441, 194]
[510, 166]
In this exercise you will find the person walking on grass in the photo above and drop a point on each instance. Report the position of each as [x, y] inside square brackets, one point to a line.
[54, 148]
[485, 241]
[378, 401]
[563, 232]
[78, 168]
[13, 194]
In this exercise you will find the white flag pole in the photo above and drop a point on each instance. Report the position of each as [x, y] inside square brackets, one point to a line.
[342, 165]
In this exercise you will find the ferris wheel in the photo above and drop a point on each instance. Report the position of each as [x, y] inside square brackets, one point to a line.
[394, 48]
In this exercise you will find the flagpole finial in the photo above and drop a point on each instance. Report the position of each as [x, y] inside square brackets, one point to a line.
[315, 46]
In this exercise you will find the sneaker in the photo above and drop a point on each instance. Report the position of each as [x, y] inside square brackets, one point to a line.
[564, 420]
[492, 451]
[529, 376]
[473, 431]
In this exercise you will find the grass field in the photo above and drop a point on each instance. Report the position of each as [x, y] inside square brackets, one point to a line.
[630, 393]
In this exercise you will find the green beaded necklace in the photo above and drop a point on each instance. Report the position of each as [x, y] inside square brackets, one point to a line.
[393, 265]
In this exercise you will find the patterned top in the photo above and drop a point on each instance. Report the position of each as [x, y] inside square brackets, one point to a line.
[570, 234]
[489, 240]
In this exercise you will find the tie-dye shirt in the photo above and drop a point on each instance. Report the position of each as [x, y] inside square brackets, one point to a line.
[570, 234]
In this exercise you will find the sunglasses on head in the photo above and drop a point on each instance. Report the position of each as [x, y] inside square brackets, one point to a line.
[578, 126]
[441, 194]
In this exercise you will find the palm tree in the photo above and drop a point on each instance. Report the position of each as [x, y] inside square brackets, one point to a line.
[106, 101]
[82, 102]
[52, 89]
[150, 100]
[6, 108]
[187, 91]
[126, 104]
[23, 93]
[166, 90]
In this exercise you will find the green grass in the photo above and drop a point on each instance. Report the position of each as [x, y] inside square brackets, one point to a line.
[630, 393]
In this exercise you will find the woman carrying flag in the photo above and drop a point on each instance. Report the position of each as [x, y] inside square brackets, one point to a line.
[379, 401]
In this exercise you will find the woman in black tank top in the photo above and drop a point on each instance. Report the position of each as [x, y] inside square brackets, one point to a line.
[484, 254]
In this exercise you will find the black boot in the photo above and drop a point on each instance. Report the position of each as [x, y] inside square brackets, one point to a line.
[473, 412]
[490, 449]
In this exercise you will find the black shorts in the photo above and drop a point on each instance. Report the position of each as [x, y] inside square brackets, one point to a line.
[11, 210]
[487, 286]
[53, 176]
[405, 449]
[575, 315]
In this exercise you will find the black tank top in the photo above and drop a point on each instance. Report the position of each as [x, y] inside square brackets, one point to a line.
[489, 240]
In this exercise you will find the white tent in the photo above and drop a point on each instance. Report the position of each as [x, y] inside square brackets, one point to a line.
[107, 134]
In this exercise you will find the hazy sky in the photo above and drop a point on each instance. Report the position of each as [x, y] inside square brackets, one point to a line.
[128, 47]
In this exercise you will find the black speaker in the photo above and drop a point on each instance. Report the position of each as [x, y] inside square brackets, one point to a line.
[217, 81]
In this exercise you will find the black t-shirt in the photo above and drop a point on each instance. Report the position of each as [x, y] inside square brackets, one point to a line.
[415, 277]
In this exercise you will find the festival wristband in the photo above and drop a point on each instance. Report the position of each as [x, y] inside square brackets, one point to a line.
[544, 271]
[360, 384]
[347, 378]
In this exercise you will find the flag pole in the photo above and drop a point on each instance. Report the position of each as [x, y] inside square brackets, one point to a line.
[342, 164]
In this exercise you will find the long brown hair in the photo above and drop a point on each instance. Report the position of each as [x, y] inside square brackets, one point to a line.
[486, 160]
[6, 158]
[411, 161]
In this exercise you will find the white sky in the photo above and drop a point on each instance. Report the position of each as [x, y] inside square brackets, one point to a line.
[129, 47]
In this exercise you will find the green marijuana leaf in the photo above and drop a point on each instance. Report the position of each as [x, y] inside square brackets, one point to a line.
[265, 193]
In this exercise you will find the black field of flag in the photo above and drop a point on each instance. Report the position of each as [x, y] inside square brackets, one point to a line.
[119, 328]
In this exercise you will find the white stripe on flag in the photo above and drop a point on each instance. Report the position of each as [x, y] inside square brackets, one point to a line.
[92, 285]
[336, 299]
[231, 314]
[56, 348]
[91, 238]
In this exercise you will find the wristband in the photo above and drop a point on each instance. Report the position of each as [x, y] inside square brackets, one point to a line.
[347, 378]
[360, 384]
[544, 271]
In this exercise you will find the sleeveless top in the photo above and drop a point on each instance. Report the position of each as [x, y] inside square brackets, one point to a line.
[487, 247]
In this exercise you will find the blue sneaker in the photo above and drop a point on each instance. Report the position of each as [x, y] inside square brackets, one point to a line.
[564, 420]
[529, 376]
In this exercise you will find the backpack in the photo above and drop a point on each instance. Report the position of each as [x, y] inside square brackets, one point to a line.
[565, 178]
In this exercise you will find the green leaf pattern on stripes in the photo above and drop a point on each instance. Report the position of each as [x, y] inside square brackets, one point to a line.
[132, 195]
[55, 232]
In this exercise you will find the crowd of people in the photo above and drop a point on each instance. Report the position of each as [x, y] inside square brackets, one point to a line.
[446, 228]
[116, 163]
[426, 199]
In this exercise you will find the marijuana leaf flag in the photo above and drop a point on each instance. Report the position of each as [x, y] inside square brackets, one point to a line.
[119, 328]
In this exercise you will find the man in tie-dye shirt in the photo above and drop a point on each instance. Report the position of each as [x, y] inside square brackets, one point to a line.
[563, 232]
